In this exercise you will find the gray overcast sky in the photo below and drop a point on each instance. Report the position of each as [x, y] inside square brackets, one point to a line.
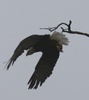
[21, 18]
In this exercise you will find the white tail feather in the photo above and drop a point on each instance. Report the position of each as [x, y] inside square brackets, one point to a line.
[60, 38]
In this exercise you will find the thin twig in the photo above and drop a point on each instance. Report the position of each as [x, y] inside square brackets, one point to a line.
[54, 28]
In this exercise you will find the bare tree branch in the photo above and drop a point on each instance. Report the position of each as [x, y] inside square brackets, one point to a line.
[68, 30]
[54, 28]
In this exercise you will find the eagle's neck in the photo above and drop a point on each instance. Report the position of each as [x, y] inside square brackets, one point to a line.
[60, 38]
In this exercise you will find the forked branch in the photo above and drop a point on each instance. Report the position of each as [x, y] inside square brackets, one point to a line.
[68, 30]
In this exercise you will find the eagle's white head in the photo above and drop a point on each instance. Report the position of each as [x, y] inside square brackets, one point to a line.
[60, 38]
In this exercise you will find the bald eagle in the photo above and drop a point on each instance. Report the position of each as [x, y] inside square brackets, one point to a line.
[50, 46]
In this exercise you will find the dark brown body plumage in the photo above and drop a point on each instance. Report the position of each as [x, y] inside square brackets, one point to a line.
[50, 54]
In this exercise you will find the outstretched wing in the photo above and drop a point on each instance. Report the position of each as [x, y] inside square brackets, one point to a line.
[25, 44]
[43, 69]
